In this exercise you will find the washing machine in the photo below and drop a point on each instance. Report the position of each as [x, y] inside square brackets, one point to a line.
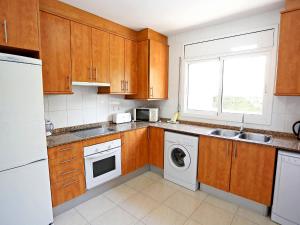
[181, 159]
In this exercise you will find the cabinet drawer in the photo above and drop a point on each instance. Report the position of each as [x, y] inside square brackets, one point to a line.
[59, 172]
[67, 189]
[66, 152]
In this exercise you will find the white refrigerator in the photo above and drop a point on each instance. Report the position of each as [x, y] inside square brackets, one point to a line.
[25, 197]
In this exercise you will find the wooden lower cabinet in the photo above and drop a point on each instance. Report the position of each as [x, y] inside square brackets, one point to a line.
[252, 171]
[156, 147]
[66, 167]
[244, 169]
[215, 162]
[134, 150]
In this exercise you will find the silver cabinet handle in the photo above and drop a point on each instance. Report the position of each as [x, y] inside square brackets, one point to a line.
[235, 150]
[5, 31]
[122, 85]
[96, 73]
[126, 85]
[70, 183]
[151, 92]
[228, 149]
[67, 161]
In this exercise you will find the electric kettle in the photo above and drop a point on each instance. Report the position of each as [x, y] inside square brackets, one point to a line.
[296, 129]
[49, 127]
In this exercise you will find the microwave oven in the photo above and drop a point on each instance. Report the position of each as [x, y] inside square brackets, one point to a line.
[146, 114]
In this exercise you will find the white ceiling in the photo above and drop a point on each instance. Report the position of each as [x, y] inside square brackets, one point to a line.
[171, 16]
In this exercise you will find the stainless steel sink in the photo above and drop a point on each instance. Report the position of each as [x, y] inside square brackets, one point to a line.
[255, 137]
[224, 133]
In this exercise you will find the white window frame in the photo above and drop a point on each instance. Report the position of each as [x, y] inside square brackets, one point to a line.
[197, 115]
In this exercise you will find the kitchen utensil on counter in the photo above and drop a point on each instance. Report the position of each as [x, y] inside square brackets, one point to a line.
[49, 127]
[296, 129]
[174, 118]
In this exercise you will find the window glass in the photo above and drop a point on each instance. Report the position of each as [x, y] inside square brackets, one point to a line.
[203, 85]
[243, 84]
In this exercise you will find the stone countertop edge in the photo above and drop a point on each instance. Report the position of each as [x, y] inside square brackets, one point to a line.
[283, 143]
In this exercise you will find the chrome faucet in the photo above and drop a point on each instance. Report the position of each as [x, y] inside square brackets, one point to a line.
[243, 124]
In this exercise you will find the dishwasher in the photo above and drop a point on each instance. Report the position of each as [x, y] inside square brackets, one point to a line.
[286, 202]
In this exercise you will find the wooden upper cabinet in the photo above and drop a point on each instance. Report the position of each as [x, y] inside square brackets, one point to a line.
[19, 24]
[81, 51]
[252, 171]
[215, 162]
[156, 147]
[153, 57]
[288, 73]
[116, 64]
[158, 70]
[130, 67]
[100, 56]
[56, 54]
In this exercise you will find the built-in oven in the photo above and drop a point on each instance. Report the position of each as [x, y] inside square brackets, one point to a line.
[102, 162]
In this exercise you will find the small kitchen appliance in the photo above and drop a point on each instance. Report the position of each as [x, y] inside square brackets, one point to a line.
[49, 127]
[122, 118]
[296, 129]
[146, 114]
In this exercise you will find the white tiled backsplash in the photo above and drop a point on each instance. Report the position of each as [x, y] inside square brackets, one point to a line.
[85, 106]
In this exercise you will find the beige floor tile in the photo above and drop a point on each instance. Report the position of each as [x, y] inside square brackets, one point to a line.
[182, 203]
[230, 207]
[207, 214]
[139, 205]
[164, 216]
[94, 207]
[139, 223]
[253, 216]
[241, 221]
[192, 222]
[200, 195]
[120, 193]
[140, 183]
[159, 191]
[171, 184]
[71, 217]
[115, 216]
[153, 176]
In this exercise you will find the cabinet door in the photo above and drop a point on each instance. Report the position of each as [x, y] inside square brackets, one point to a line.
[288, 74]
[100, 55]
[156, 147]
[81, 52]
[141, 138]
[130, 67]
[252, 171]
[56, 54]
[214, 162]
[158, 70]
[129, 152]
[21, 19]
[116, 64]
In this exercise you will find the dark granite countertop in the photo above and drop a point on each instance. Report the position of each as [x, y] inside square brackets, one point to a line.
[280, 142]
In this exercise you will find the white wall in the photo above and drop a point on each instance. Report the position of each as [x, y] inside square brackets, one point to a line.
[286, 110]
[85, 106]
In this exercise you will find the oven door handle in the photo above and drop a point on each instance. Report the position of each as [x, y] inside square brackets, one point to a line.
[96, 155]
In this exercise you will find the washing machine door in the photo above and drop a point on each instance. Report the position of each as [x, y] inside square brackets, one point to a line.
[179, 157]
